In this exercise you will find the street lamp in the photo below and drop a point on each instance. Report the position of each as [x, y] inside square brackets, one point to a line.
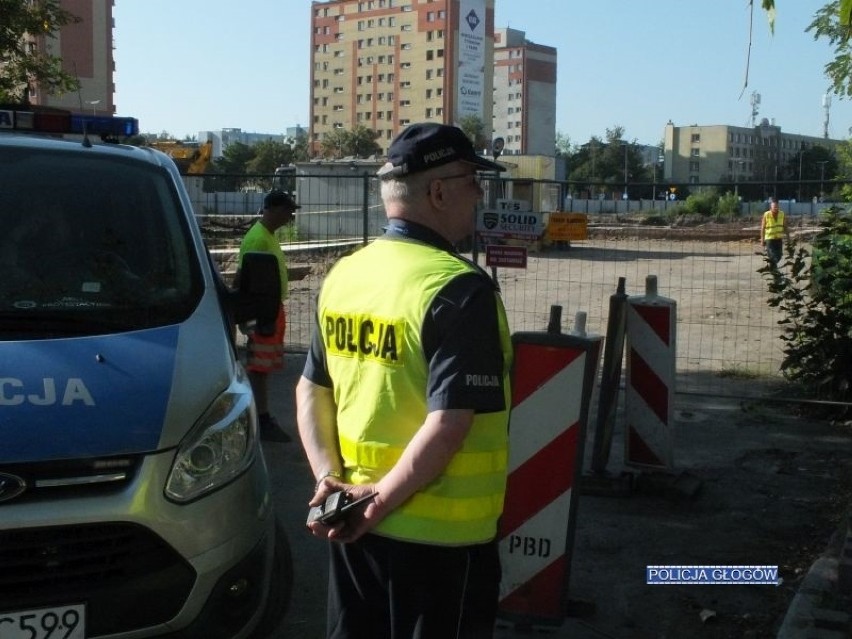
[822, 164]
[800, 175]
[94, 103]
[624, 195]
[660, 160]
[737, 163]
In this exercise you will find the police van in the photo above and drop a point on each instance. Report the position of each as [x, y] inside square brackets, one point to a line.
[134, 496]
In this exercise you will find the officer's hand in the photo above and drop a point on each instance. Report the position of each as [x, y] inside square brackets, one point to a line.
[345, 530]
[361, 520]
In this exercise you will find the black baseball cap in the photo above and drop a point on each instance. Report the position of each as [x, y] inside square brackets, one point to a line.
[425, 146]
[280, 198]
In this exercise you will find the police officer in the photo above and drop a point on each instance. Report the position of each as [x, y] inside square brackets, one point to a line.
[405, 394]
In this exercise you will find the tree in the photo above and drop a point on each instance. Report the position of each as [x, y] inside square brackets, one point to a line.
[604, 163]
[563, 145]
[474, 129]
[269, 155]
[811, 288]
[833, 22]
[360, 142]
[22, 68]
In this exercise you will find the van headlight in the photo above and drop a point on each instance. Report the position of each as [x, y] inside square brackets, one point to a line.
[219, 448]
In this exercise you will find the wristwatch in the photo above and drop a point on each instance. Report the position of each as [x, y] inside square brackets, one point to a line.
[328, 473]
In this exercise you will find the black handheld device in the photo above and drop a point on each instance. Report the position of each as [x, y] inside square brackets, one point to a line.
[336, 507]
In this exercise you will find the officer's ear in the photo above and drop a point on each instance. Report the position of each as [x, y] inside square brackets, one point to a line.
[437, 194]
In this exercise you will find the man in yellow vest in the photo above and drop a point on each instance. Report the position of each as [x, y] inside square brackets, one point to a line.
[265, 353]
[405, 394]
[773, 228]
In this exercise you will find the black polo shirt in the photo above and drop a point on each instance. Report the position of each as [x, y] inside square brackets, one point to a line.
[460, 337]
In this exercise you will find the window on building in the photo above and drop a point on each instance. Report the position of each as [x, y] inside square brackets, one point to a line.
[428, 112]
[440, 53]
[696, 138]
[693, 166]
[695, 152]
[430, 55]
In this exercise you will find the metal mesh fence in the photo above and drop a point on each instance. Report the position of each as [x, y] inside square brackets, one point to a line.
[725, 328]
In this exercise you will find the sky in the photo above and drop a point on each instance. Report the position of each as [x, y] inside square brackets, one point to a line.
[185, 66]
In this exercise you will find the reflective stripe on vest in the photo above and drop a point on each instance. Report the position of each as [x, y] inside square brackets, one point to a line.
[371, 318]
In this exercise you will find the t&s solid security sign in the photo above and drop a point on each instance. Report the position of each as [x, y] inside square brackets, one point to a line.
[510, 223]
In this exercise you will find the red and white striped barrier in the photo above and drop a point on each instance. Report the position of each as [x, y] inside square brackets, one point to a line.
[553, 378]
[650, 386]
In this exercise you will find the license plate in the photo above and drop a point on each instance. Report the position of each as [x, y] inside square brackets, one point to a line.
[61, 622]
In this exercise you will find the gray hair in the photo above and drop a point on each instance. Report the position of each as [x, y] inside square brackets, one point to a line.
[408, 189]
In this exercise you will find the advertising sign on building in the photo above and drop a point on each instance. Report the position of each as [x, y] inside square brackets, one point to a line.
[471, 60]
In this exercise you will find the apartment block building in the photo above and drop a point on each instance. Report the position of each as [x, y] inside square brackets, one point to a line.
[384, 64]
[721, 153]
[524, 94]
[86, 49]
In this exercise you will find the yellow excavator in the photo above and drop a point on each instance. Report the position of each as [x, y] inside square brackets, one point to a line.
[191, 158]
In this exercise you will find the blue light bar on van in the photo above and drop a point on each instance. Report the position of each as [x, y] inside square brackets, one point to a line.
[104, 125]
[44, 120]
[52, 121]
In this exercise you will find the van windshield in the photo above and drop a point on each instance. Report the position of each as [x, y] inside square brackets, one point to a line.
[90, 244]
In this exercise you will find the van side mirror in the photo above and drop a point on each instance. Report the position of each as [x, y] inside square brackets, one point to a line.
[258, 293]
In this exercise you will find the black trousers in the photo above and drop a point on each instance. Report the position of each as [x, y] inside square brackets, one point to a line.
[382, 588]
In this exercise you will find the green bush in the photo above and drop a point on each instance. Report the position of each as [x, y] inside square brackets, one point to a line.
[727, 206]
[701, 203]
[814, 292]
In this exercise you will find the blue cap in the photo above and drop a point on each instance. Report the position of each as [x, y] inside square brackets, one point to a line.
[427, 145]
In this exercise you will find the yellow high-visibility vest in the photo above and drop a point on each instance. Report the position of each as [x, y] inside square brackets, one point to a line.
[773, 227]
[371, 312]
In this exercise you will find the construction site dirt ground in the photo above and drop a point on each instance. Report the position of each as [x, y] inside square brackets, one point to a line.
[769, 485]
[773, 485]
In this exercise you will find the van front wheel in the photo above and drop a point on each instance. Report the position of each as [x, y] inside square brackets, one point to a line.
[280, 585]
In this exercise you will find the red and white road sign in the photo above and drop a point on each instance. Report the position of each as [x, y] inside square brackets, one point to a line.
[553, 378]
[650, 387]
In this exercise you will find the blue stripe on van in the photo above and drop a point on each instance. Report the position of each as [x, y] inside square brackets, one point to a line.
[83, 397]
